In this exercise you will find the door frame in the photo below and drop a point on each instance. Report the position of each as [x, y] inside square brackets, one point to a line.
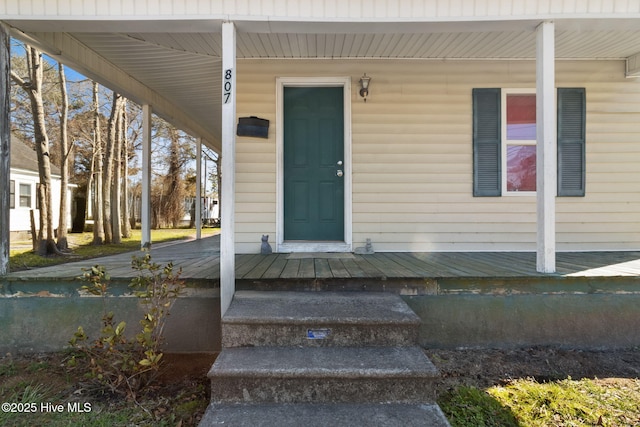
[313, 246]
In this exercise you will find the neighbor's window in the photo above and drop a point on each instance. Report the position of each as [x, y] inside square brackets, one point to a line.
[25, 195]
[12, 194]
[519, 141]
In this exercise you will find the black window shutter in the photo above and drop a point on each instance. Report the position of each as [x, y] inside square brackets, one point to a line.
[571, 141]
[487, 175]
[12, 194]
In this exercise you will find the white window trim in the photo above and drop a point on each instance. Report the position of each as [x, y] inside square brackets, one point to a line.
[309, 246]
[32, 195]
[503, 132]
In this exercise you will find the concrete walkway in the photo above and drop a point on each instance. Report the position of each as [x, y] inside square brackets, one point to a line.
[204, 253]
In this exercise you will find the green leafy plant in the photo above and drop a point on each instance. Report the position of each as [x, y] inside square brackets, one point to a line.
[114, 361]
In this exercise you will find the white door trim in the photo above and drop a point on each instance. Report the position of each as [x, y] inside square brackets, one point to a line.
[308, 246]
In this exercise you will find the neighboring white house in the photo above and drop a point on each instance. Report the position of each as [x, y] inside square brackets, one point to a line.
[23, 185]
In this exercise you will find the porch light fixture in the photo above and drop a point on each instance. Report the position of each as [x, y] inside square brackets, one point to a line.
[364, 86]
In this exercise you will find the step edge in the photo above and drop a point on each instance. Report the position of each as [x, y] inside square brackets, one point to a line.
[324, 320]
[337, 374]
[429, 409]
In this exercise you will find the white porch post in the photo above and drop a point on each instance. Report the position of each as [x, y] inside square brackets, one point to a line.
[198, 207]
[546, 153]
[227, 221]
[146, 177]
[5, 148]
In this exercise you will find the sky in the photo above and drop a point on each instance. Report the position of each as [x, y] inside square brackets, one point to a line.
[71, 74]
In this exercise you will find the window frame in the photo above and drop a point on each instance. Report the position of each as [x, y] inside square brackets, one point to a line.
[504, 143]
[28, 197]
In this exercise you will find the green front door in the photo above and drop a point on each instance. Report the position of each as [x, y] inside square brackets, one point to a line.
[313, 163]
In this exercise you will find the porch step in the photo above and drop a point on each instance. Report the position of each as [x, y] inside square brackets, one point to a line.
[321, 359]
[325, 374]
[325, 415]
[318, 319]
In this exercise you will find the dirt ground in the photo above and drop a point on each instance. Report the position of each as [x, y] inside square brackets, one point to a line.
[184, 380]
[484, 368]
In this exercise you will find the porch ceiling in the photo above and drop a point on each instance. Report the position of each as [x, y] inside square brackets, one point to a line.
[179, 61]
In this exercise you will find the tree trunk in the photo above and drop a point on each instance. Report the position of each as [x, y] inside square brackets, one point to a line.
[5, 147]
[98, 226]
[46, 243]
[219, 176]
[107, 177]
[219, 187]
[116, 193]
[126, 225]
[64, 162]
[175, 194]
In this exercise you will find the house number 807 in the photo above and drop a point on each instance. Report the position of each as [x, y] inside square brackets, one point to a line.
[227, 85]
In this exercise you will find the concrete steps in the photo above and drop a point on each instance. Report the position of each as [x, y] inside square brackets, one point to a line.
[324, 415]
[341, 318]
[314, 359]
[325, 374]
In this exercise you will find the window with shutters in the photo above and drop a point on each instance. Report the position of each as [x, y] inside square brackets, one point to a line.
[504, 142]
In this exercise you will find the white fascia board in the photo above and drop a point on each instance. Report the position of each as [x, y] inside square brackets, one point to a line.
[25, 172]
[310, 24]
[318, 9]
[68, 50]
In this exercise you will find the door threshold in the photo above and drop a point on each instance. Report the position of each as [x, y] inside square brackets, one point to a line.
[306, 246]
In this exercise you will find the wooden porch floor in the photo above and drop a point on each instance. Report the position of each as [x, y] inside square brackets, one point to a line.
[200, 259]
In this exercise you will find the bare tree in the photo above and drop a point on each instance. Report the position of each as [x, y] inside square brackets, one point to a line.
[64, 161]
[33, 87]
[5, 147]
[117, 183]
[174, 183]
[96, 172]
[109, 172]
[124, 200]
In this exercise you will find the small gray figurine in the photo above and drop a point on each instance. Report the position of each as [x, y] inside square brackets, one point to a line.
[367, 249]
[265, 248]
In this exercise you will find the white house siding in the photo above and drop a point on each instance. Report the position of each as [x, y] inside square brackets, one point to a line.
[19, 217]
[415, 10]
[256, 157]
[412, 157]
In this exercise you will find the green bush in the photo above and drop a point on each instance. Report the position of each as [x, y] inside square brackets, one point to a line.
[113, 361]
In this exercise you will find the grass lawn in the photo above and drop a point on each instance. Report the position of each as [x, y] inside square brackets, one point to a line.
[539, 386]
[21, 256]
[526, 402]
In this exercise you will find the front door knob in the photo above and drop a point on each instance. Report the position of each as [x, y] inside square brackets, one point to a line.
[339, 173]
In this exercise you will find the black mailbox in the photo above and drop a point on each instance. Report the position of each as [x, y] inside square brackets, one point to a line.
[253, 126]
